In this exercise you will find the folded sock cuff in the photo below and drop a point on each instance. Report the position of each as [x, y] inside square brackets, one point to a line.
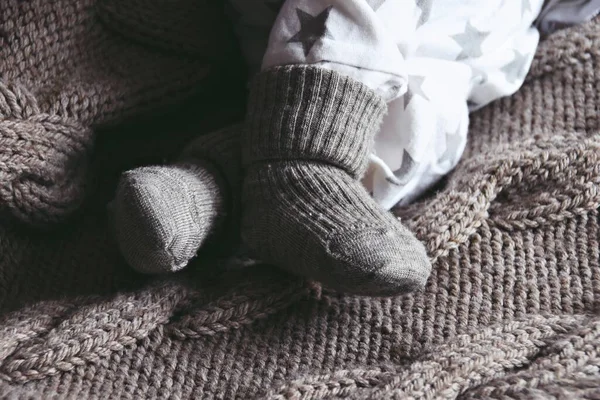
[311, 113]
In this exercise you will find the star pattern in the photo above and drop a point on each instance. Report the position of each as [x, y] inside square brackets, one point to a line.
[414, 88]
[375, 4]
[312, 29]
[425, 7]
[470, 41]
[514, 70]
[406, 170]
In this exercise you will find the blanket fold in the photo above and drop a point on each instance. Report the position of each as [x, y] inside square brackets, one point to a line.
[511, 309]
[68, 67]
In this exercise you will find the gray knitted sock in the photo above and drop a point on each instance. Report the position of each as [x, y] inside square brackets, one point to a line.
[308, 137]
[164, 214]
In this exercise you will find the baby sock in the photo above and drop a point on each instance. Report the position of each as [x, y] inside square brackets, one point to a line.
[309, 132]
[164, 214]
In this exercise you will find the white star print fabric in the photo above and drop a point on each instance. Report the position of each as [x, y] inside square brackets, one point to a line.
[432, 60]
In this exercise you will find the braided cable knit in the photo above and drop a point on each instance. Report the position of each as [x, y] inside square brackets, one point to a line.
[452, 368]
[558, 161]
[43, 159]
[510, 311]
[64, 338]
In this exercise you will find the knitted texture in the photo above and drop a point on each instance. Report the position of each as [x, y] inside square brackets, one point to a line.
[164, 214]
[510, 311]
[311, 114]
[70, 66]
[308, 136]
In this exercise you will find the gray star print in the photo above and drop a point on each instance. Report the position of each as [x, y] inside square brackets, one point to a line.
[414, 88]
[515, 69]
[312, 28]
[470, 41]
[425, 7]
[375, 4]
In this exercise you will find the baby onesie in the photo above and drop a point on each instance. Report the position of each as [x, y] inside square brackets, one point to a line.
[433, 61]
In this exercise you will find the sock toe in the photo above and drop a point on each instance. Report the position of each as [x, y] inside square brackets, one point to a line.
[377, 261]
[163, 215]
[316, 221]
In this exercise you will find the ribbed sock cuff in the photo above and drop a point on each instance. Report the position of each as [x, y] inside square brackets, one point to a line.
[311, 113]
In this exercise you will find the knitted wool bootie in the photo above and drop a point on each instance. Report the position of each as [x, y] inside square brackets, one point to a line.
[164, 214]
[309, 133]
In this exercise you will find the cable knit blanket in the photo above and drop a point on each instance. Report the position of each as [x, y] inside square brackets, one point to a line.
[512, 308]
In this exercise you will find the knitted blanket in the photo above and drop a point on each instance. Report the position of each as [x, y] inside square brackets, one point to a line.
[68, 67]
[511, 309]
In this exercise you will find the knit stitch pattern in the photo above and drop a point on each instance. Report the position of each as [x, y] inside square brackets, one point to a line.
[68, 67]
[510, 311]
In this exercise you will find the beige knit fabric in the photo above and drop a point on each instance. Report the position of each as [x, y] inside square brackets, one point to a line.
[68, 67]
[511, 310]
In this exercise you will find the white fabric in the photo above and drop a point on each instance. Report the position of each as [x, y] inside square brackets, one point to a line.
[558, 14]
[432, 60]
